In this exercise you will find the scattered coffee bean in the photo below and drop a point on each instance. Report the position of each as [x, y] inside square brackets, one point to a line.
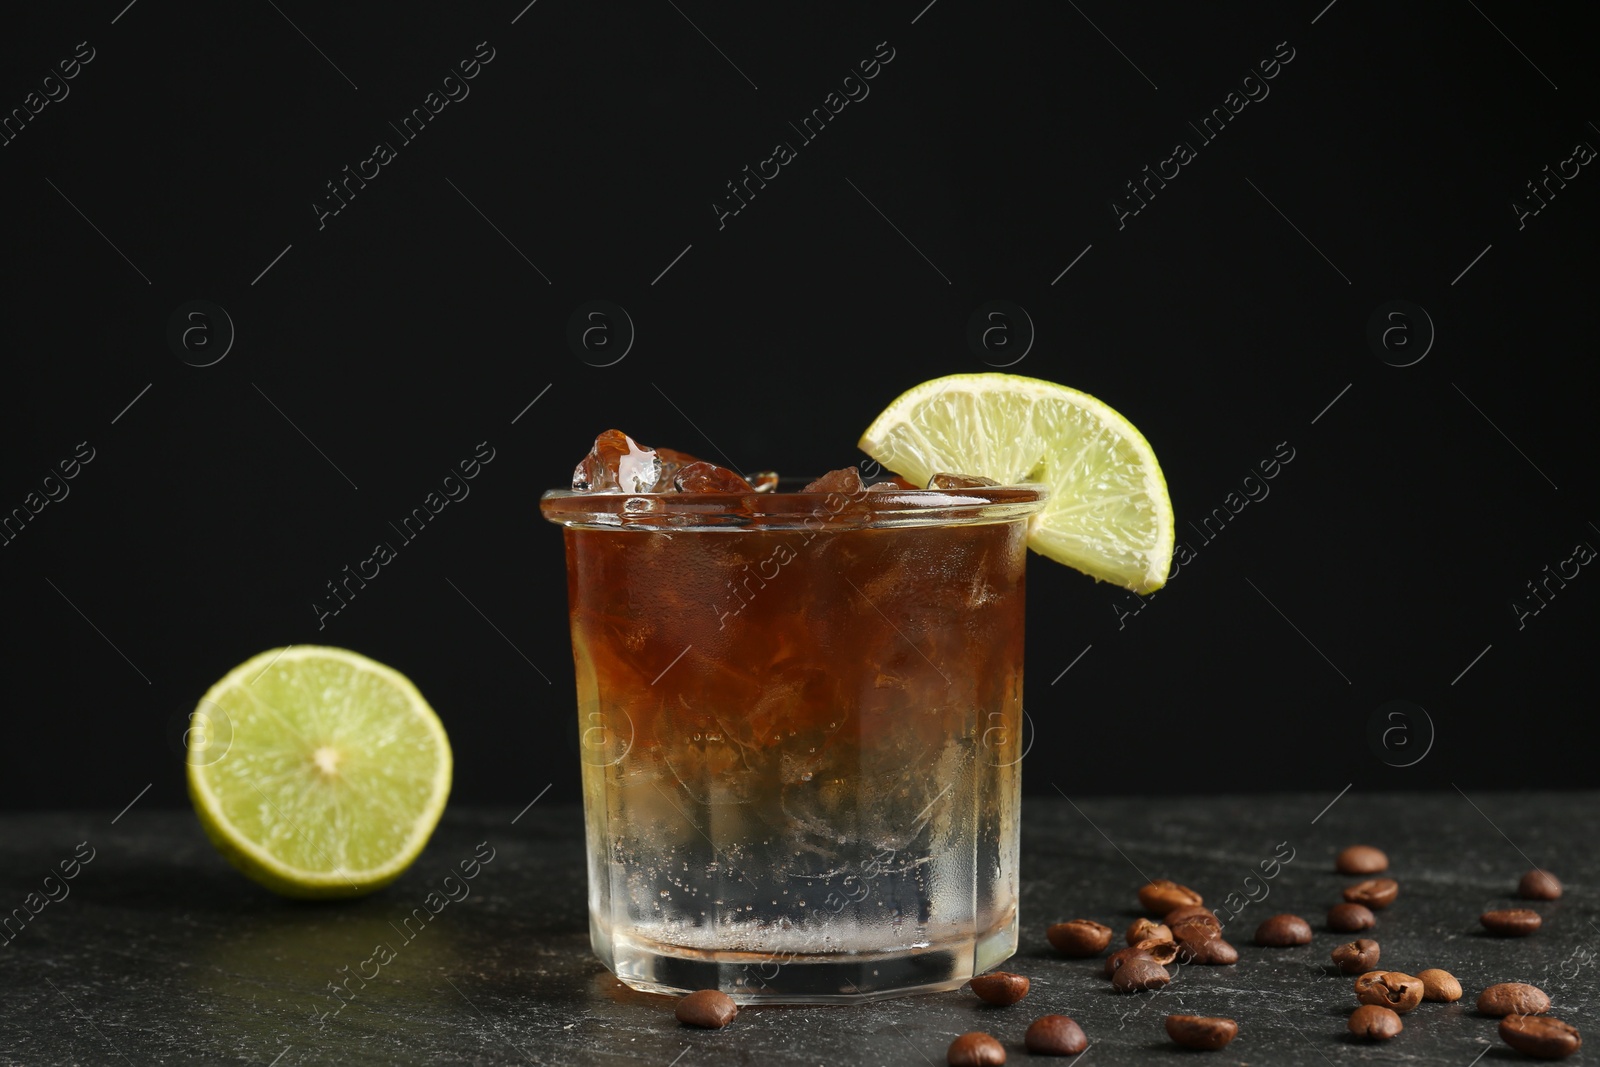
[1161, 949]
[1163, 895]
[1283, 931]
[1361, 859]
[1201, 1031]
[1145, 930]
[1196, 928]
[1138, 974]
[1374, 892]
[1054, 1035]
[1000, 987]
[710, 1009]
[1539, 885]
[1190, 911]
[1389, 989]
[1123, 955]
[1439, 985]
[1359, 957]
[1513, 998]
[1540, 1035]
[975, 1049]
[1080, 938]
[1191, 936]
[1374, 1022]
[1511, 922]
[1350, 918]
[1216, 953]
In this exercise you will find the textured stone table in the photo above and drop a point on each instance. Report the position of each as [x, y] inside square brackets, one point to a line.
[160, 953]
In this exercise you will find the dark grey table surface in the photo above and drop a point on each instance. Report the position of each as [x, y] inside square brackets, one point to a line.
[161, 953]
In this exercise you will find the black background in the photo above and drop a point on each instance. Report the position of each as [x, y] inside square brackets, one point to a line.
[406, 330]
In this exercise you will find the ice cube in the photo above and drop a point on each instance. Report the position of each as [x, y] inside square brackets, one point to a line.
[703, 477]
[672, 455]
[959, 481]
[672, 461]
[764, 481]
[617, 464]
[896, 484]
[844, 480]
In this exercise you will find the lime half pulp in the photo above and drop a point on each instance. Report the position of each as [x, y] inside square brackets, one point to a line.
[316, 771]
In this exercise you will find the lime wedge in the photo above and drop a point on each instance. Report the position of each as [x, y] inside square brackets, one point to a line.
[316, 771]
[1108, 514]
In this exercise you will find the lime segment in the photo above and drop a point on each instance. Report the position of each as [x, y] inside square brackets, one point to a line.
[1108, 514]
[316, 771]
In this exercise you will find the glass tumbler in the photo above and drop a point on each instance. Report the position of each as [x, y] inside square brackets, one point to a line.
[799, 720]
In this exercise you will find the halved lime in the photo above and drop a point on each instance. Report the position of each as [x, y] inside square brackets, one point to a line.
[1108, 513]
[316, 771]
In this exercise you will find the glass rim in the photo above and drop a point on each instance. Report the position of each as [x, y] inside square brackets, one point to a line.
[869, 509]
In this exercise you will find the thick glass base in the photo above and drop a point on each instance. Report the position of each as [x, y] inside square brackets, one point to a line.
[806, 978]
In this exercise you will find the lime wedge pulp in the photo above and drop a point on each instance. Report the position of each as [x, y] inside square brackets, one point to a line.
[316, 771]
[1108, 514]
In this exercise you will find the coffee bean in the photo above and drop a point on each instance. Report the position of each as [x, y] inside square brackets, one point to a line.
[975, 1049]
[1375, 1023]
[1123, 955]
[1190, 911]
[1000, 987]
[1357, 957]
[1201, 1031]
[1163, 895]
[1196, 928]
[1283, 931]
[1216, 953]
[1054, 1035]
[1511, 922]
[1147, 929]
[1539, 885]
[1138, 974]
[1189, 950]
[1513, 998]
[1439, 985]
[1161, 949]
[1374, 892]
[710, 1009]
[1361, 859]
[1080, 938]
[1191, 935]
[1540, 1035]
[1350, 918]
[1389, 989]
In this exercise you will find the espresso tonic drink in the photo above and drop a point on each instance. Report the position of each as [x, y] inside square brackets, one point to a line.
[800, 721]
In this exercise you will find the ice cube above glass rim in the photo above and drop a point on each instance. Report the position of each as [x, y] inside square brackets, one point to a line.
[619, 464]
